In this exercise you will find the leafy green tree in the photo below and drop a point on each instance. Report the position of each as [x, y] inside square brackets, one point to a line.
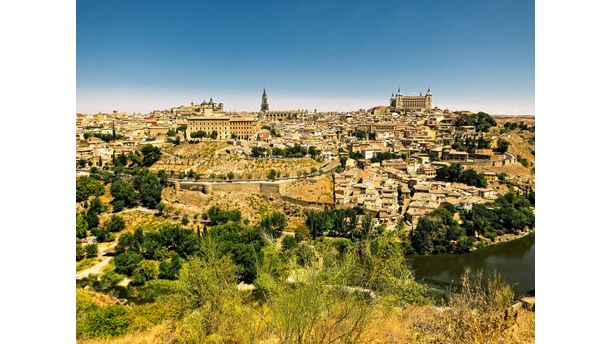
[150, 154]
[242, 244]
[170, 268]
[94, 209]
[217, 216]
[91, 250]
[102, 234]
[87, 186]
[274, 223]
[149, 188]
[81, 225]
[123, 194]
[115, 224]
[502, 146]
[80, 251]
[126, 263]
[145, 271]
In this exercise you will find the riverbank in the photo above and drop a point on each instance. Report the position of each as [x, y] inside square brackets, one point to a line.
[503, 238]
[513, 259]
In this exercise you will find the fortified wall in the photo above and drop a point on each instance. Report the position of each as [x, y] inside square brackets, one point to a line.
[261, 188]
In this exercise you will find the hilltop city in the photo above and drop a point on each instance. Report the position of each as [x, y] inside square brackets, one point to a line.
[387, 160]
[195, 224]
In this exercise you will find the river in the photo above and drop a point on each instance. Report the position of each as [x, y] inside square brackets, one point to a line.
[514, 260]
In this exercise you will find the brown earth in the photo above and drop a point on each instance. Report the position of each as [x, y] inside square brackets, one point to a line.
[317, 189]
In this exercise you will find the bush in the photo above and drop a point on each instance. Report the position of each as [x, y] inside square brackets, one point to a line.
[94, 321]
[126, 263]
[110, 279]
[91, 250]
[145, 271]
[170, 268]
[88, 186]
[115, 224]
[302, 233]
[81, 226]
[118, 206]
[80, 251]
[274, 223]
[219, 217]
[289, 242]
[102, 234]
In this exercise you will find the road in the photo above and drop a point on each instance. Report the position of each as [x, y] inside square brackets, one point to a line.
[94, 269]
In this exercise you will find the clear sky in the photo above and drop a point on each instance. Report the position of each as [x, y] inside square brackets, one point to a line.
[137, 56]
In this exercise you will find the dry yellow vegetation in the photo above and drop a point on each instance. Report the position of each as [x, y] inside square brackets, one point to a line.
[251, 206]
[214, 160]
[318, 189]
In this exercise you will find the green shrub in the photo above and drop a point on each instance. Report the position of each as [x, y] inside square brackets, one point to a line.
[91, 250]
[126, 263]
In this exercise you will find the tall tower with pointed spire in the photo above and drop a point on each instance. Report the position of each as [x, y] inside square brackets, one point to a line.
[264, 102]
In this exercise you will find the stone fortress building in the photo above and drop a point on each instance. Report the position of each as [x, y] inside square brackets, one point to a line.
[205, 108]
[209, 117]
[401, 102]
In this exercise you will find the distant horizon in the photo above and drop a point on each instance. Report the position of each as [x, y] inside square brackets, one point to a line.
[135, 102]
[329, 55]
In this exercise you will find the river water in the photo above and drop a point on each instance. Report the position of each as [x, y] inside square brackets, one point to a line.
[514, 260]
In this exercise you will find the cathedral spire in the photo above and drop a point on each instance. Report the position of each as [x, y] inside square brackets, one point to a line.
[264, 101]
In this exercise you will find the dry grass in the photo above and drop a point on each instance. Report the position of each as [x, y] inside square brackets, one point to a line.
[215, 159]
[317, 189]
[159, 334]
[252, 206]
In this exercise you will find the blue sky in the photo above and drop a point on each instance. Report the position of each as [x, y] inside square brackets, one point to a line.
[137, 56]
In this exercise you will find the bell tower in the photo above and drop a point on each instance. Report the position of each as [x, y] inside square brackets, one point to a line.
[264, 102]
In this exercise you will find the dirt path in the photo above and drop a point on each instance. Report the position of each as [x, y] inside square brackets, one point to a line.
[94, 269]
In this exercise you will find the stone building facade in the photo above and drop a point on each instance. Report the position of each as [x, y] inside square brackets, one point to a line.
[401, 102]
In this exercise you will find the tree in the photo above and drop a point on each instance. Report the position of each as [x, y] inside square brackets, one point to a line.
[274, 223]
[242, 244]
[87, 186]
[115, 224]
[502, 146]
[81, 226]
[150, 154]
[95, 208]
[217, 216]
[271, 174]
[102, 234]
[146, 270]
[123, 194]
[126, 263]
[80, 251]
[91, 250]
[170, 268]
[149, 188]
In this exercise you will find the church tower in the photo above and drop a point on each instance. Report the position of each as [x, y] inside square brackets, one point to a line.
[264, 102]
